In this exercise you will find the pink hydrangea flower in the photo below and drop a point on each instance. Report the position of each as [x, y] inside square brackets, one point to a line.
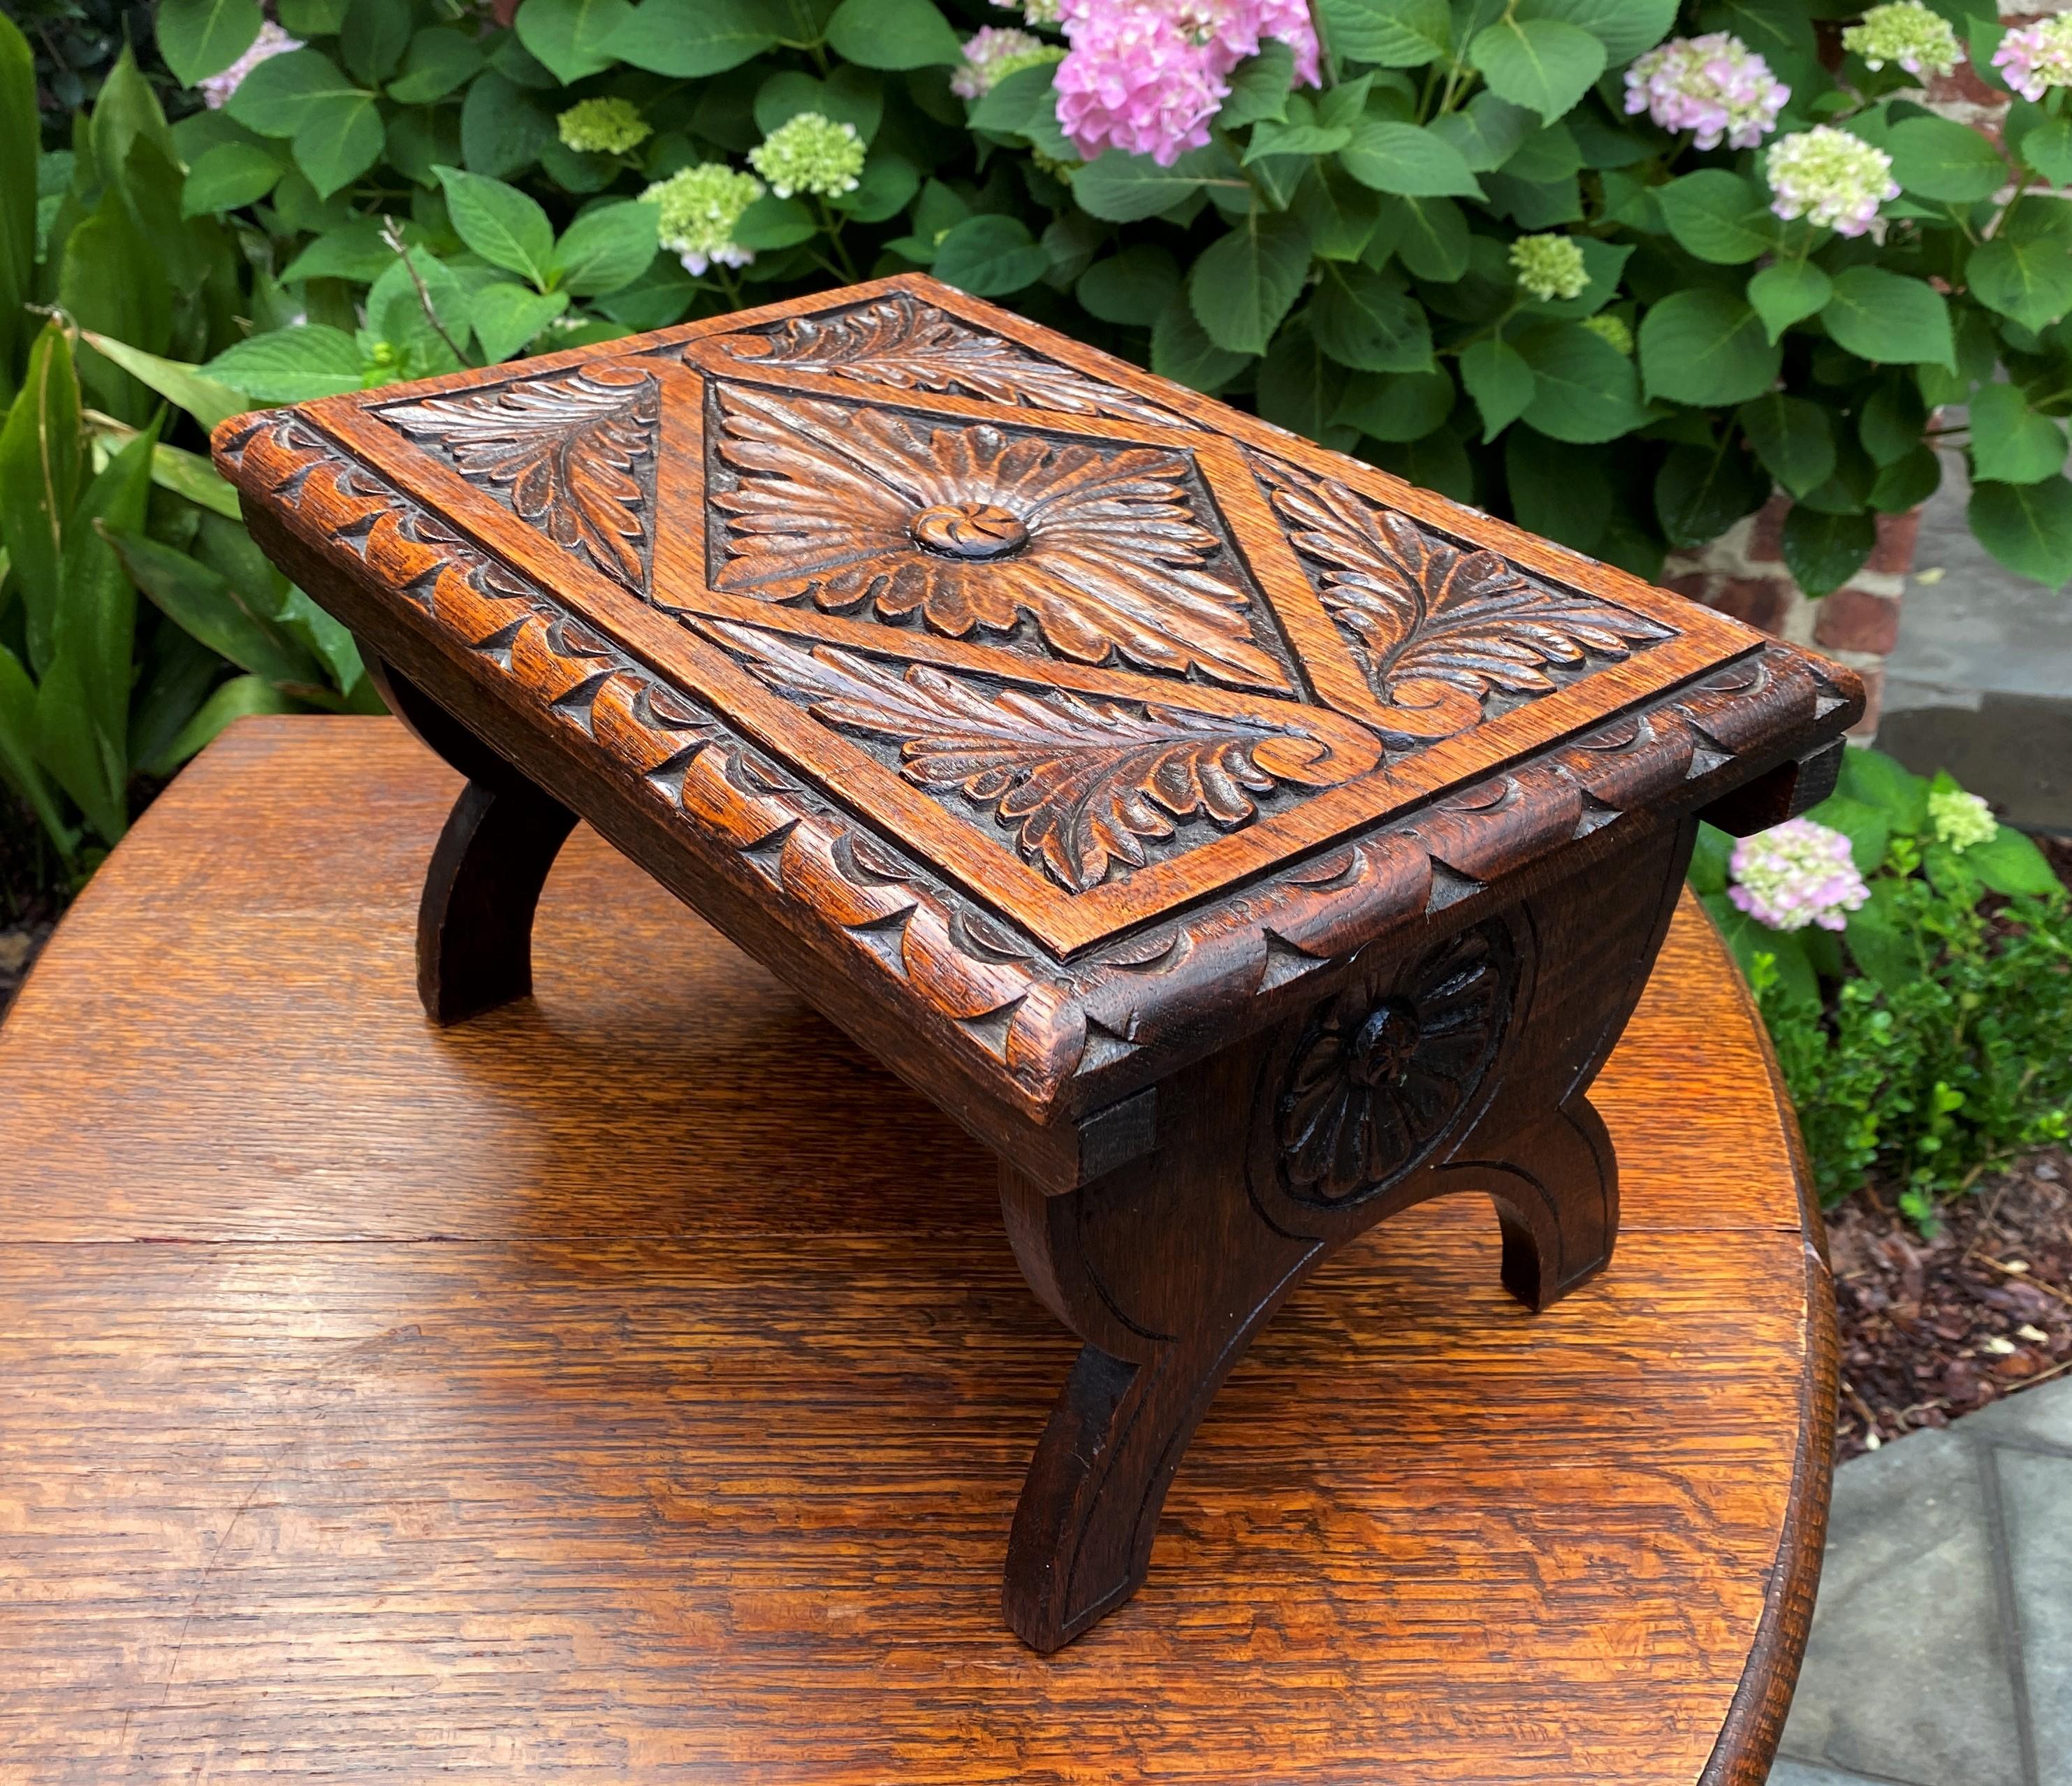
[272, 41]
[2035, 59]
[1794, 875]
[993, 53]
[1714, 85]
[1146, 77]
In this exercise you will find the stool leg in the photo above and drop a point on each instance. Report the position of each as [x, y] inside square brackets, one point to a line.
[1459, 1065]
[482, 889]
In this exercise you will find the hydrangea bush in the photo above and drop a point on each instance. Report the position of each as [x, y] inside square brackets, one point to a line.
[1913, 960]
[1617, 269]
[1721, 247]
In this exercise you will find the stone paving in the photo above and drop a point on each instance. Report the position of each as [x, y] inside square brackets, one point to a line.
[1980, 680]
[1942, 1646]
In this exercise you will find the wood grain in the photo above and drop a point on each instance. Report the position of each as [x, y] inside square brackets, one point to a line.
[635, 1385]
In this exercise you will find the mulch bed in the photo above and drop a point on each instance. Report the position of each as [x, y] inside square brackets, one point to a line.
[1935, 1327]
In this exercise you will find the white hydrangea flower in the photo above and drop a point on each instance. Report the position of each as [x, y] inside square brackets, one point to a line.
[1837, 180]
[700, 208]
[1960, 819]
[1906, 33]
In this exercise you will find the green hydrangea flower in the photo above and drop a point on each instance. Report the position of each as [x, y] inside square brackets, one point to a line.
[699, 206]
[810, 153]
[1611, 328]
[1549, 267]
[1907, 33]
[603, 126]
[1960, 819]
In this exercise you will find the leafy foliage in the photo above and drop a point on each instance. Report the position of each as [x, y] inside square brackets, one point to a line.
[1926, 1041]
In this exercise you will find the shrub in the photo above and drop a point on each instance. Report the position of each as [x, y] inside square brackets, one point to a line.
[1924, 1038]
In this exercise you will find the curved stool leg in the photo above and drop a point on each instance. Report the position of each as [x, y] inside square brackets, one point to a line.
[1168, 1266]
[475, 920]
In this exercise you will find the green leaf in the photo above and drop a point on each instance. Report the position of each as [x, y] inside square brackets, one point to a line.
[1885, 950]
[500, 223]
[1719, 216]
[1389, 33]
[849, 96]
[1584, 390]
[1341, 214]
[1430, 238]
[1407, 162]
[1020, 104]
[2048, 149]
[1882, 781]
[893, 34]
[1706, 347]
[190, 476]
[2027, 278]
[1182, 350]
[1541, 63]
[1300, 135]
[227, 176]
[201, 602]
[396, 310]
[1787, 293]
[506, 317]
[1709, 859]
[1555, 491]
[2008, 863]
[1500, 381]
[340, 142]
[439, 59]
[276, 99]
[1700, 493]
[1298, 387]
[572, 36]
[289, 365]
[1867, 828]
[19, 767]
[20, 185]
[1889, 319]
[503, 127]
[1625, 27]
[1746, 938]
[1823, 551]
[308, 18]
[2011, 444]
[1258, 87]
[1792, 437]
[2027, 526]
[1120, 188]
[1934, 158]
[239, 698]
[990, 256]
[1400, 408]
[67, 746]
[40, 466]
[207, 402]
[1243, 285]
[1488, 132]
[1362, 321]
[1132, 288]
[690, 38]
[772, 222]
[607, 247]
[373, 36]
[199, 38]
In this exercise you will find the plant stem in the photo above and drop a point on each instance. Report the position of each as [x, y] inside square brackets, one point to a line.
[394, 237]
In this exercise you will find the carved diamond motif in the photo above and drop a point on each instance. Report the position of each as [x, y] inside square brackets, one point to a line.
[1003, 599]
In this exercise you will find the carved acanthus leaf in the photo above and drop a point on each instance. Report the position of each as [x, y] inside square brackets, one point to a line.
[972, 526]
[910, 346]
[1422, 610]
[1086, 782]
[565, 450]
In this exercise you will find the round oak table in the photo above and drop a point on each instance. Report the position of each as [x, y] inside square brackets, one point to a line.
[635, 1385]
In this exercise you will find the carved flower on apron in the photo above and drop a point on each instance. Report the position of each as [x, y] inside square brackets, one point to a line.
[972, 528]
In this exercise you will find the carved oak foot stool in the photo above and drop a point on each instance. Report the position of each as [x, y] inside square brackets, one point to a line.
[1243, 844]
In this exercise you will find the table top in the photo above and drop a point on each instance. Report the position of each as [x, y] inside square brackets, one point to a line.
[635, 1385]
[1089, 707]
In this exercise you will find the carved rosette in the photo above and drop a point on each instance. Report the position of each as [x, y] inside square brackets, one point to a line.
[1382, 1074]
[968, 527]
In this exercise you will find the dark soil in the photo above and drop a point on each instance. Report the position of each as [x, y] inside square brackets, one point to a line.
[1932, 1328]
[30, 897]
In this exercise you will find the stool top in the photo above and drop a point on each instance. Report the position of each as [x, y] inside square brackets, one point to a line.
[1067, 713]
